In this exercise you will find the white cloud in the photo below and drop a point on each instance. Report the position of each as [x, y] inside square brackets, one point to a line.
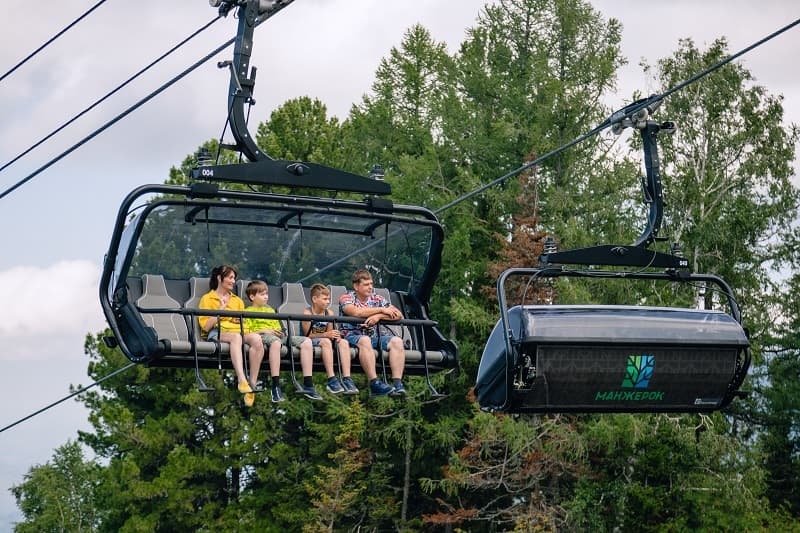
[50, 309]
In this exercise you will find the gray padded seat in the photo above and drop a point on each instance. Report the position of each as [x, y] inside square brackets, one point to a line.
[336, 292]
[294, 301]
[170, 327]
[240, 288]
[412, 355]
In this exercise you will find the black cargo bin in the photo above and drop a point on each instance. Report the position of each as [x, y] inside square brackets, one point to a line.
[595, 358]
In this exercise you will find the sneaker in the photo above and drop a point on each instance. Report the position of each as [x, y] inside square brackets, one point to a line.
[244, 387]
[379, 388]
[310, 392]
[334, 386]
[350, 388]
[277, 395]
[399, 390]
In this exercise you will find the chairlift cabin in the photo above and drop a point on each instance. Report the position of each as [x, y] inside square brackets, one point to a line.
[613, 358]
[168, 238]
[551, 358]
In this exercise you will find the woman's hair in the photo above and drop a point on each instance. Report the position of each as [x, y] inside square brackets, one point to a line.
[220, 272]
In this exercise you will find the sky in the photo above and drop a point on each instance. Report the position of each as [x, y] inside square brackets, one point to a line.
[56, 227]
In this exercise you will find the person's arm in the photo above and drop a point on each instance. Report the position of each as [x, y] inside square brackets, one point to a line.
[383, 315]
[208, 301]
[305, 325]
[349, 308]
[330, 327]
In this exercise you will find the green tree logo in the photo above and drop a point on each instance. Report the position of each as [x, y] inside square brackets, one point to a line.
[639, 371]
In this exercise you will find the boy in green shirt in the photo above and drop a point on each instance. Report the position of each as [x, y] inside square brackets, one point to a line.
[273, 337]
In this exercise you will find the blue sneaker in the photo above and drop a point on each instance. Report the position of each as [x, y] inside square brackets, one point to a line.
[350, 388]
[277, 394]
[310, 392]
[334, 386]
[399, 390]
[379, 388]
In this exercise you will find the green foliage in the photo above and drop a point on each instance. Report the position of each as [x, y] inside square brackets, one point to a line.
[664, 473]
[60, 495]
[529, 77]
[727, 172]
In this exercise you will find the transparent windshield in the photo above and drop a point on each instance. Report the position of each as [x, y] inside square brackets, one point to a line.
[283, 243]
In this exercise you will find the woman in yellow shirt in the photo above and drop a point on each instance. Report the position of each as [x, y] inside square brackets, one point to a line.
[221, 297]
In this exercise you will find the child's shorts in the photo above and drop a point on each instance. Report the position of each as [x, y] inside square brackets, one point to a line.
[269, 338]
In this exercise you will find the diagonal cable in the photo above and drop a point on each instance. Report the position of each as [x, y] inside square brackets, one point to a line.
[618, 117]
[128, 111]
[65, 398]
[53, 38]
[615, 118]
[109, 94]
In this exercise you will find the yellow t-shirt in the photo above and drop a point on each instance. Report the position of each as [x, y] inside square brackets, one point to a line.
[227, 324]
[257, 324]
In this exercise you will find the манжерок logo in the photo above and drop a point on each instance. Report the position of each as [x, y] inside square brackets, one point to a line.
[639, 371]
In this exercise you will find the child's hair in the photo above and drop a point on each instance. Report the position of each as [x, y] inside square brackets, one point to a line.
[360, 275]
[319, 288]
[222, 271]
[255, 287]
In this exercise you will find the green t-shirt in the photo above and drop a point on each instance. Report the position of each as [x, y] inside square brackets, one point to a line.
[257, 324]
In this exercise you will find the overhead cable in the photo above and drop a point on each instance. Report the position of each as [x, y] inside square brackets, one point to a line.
[65, 398]
[109, 94]
[128, 111]
[53, 38]
[618, 117]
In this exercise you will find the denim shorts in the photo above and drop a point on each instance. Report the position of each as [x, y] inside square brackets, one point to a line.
[384, 340]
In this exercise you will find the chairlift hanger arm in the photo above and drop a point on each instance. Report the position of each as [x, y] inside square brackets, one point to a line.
[242, 82]
[635, 115]
[263, 169]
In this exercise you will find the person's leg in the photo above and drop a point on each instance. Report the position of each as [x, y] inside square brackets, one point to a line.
[234, 341]
[343, 350]
[344, 357]
[275, 358]
[306, 355]
[366, 356]
[326, 349]
[333, 384]
[397, 361]
[255, 355]
[397, 356]
[307, 366]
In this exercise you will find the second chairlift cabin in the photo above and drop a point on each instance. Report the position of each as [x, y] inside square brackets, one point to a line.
[616, 358]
